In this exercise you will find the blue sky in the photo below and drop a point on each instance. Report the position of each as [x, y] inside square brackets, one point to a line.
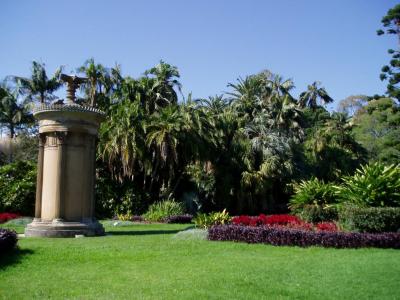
[211, 42]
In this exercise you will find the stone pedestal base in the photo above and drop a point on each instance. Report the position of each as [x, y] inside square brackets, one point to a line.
[63, 229]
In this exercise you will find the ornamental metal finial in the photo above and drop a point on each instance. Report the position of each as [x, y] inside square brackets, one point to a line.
[73, 83]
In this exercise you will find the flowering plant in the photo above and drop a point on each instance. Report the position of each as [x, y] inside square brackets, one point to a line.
[4, 217]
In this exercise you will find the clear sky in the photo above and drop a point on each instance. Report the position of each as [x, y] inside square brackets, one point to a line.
[212, 42]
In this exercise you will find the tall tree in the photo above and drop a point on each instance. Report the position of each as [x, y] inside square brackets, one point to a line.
[377, 128]
[391, 72]
[98, 77]
[351, 104]
[38, 84]
[12, 114]
[246, 94]
[165, 80]
[332, 150]
[314, 93]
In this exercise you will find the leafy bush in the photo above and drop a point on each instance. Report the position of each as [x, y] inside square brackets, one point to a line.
[215, 218]
[312, 192]
[318, 213]
[124, 217]
[8, 240]
[371, 219]
[160, 210]
[4, 217]
[278, 236]
[17, 187]
[179, 219]
[374, 185]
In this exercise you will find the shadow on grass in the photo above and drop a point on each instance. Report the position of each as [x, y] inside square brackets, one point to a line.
[13, 257]
[145, 232]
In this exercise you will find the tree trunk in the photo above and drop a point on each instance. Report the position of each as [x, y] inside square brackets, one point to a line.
[11, 149]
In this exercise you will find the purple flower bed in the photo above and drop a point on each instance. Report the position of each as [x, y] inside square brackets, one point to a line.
[8, 240]
[181, 219]
[292, 237]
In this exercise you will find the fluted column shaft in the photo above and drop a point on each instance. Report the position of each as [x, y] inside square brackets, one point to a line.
[59, 201]
[39, 178]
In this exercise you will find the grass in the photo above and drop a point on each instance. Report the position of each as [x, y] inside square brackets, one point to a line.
[146, 262]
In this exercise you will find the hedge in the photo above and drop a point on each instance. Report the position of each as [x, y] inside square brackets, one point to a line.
[370, 219]
[291, 237]
[317, 213]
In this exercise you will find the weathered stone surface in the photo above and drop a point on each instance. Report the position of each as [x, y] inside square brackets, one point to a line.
[66, 174]
[63, 229]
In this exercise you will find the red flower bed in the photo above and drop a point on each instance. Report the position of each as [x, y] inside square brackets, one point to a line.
[4, 217]
[327, 226]
[271, 220]
[283, 221]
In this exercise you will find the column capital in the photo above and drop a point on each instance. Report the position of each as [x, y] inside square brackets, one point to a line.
[61, 137]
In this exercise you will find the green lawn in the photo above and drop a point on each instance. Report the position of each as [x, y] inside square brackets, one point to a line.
[147, 262]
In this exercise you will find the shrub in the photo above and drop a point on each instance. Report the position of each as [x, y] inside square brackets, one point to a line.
[161, 210]
[8, 240]
[371, 219]
[312, 192]
[214, 218]
[278, 236]
[374, 185]
[17, 187]
[179, 219]
[4, 217]
[318, 213]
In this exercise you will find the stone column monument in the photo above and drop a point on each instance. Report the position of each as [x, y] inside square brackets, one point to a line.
[66, 175]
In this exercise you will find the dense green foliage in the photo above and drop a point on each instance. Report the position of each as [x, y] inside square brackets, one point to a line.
[370, 219]
[147, 262]
[317, 213]
[17, 187]
[313, 192]
[204, 220]
[372, 185]
[241, 151]
[391, 22]
[160, 210]
[238, 151]
[13, 115]
[377, 128]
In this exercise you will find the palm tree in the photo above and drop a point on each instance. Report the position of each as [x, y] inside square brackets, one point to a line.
[247, 93]
[39, 84]
[215, 105]
[165, 80]
[122, 140]
[98, 78]
[282, 114]
[277, 86]
[12, 114]
[310, 97]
